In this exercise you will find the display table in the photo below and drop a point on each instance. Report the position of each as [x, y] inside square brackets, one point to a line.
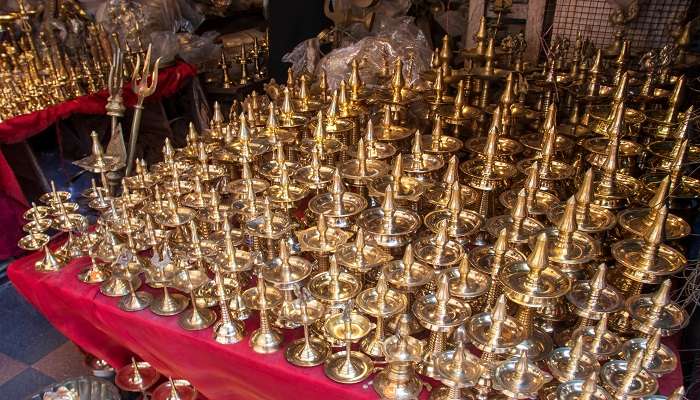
[22, 127]
[95, 323]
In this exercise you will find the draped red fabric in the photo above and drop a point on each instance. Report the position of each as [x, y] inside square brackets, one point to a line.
[22, 127]
[95, 323]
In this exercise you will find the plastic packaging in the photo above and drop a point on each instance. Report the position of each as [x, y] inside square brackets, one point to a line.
[395, 37]
[304, 57]
[196, 49]
[452, 21]
[167, 24]
[165, 46]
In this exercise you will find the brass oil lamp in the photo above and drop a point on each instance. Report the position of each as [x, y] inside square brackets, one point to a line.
[310, 350]
[264, 298]
[438, 194]
[457, 370]
[439, 313]
[390, 227]
[348, 366]
[494, 333]
[380, 302]
[519, 225]
[518, 377]
[408, 276]
[322, 240]
[338, 205]
[361, 257]
[488, 175]
[625, 379]
[532, 285]
[399, 381]
[405, 189]
[286, 273]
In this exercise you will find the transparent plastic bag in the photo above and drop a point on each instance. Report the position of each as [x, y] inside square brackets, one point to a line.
[395, 37]
[196, 49]
[390, 9]
[452, 22]
[304, 57]
[165, 45]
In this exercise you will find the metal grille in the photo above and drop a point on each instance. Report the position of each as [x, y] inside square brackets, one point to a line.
[649, 30]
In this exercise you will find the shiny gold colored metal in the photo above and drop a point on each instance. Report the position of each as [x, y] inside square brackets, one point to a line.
[658, 358]
[439, 313]
[590, 218]
[569, 363]
[196, 318]
[495, 334]
[438, 250]
[647, 259]
[637, 221]
[338, 205]
[361, 256]
[598, 340]
[534, 284]
[258, 212]
[228, 330]
[348, 366]
[162, 272]
[286, 273]
[380, 302]
[419, 164]
[457, 369]
[409, 276]
[613, 190]
[519, 377]
[175, 389]
[519, 225]
[624, 379]
[538, 201]
[655, 312]
[137, 376]
[582, 388]
[334, 288]
[390, 226]
[264, 298]
[398, 381]
[488, 175]
[322, 240]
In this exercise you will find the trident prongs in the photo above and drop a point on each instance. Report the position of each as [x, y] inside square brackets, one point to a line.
[142, 89]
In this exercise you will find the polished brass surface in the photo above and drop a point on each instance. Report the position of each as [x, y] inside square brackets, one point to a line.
[535, 212]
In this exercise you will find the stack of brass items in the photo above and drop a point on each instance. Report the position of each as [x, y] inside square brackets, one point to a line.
[38, 69]
[504, 250]
[248, 61]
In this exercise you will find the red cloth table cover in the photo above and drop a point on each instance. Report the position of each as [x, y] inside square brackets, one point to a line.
[95, 323]
[22, 127]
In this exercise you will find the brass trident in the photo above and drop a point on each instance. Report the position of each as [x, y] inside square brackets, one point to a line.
[142, 89]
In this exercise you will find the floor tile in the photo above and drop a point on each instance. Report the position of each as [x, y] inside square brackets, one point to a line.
[9, 368]
[26, 383]
[62, 363]
[27, 336]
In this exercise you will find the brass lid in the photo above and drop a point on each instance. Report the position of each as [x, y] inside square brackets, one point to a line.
[334, 287]
[360, 256]
[519, 377]
[407, 273]
[593, 298]
[467, 283]
[495, 331]
[534, 283]
[381, 301]
[439, 311]
[438, 250]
